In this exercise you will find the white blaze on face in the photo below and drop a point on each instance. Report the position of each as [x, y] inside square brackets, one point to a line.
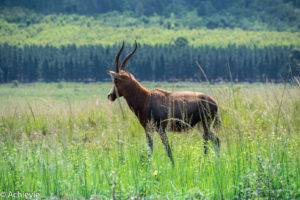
[110, 94]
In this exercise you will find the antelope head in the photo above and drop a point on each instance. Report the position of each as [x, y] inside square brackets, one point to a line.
[121, 79]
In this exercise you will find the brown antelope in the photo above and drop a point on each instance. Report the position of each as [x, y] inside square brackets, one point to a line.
[181, 110]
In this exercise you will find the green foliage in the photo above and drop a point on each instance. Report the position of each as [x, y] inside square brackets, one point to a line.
[274, 15]
[15, 84]
[205, 31]
[181, 42]
[171, 62]
[72, 143]
[112, 28]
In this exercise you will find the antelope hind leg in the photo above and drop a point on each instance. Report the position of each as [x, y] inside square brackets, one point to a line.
[149, 136]
[209, 135]
[165, 141]
[216, 142]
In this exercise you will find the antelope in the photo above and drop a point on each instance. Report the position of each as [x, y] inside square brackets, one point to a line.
[160, 109]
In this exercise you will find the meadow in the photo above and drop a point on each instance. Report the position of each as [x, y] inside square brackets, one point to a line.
[66, 140]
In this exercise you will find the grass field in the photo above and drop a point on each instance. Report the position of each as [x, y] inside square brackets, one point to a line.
[66, 140]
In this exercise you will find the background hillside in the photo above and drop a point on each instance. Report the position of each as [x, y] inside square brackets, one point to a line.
[72, 40]
[281, 15]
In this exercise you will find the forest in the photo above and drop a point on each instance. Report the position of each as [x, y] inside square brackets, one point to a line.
[280, 15]
[158, 63]
[74, 40]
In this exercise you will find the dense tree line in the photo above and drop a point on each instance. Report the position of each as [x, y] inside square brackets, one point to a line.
[159, 63]
[246, 14]
[147, 7]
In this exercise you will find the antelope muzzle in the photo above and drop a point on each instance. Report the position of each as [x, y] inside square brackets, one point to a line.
[112, 95]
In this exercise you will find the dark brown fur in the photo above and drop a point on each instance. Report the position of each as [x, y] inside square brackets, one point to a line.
[177, 111]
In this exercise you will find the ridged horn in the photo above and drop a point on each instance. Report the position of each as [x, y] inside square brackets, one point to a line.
[117, 58]
[127, 57]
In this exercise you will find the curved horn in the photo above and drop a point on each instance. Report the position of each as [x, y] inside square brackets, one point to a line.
[117, 58]
[127, 57]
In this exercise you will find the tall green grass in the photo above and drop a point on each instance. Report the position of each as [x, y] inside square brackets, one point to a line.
[68, 141]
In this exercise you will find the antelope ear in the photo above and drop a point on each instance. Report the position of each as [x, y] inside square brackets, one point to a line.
[113, 74]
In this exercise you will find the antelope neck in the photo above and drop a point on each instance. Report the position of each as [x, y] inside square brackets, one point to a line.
[137, 97]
